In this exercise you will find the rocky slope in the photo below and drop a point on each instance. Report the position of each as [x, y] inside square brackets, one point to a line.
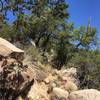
[23, 80]
[61, 85]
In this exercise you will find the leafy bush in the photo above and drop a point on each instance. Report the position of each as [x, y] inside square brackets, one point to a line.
[35, 53]
[88, 66]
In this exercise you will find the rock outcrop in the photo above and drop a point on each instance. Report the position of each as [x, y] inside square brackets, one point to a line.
[15, 78]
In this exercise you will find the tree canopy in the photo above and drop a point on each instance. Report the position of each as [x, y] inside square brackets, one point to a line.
[46, 23]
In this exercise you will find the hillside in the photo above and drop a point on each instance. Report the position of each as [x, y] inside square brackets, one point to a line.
[44, 56]
[24, 77]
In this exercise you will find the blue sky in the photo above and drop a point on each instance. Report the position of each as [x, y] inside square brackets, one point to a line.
[81, 10]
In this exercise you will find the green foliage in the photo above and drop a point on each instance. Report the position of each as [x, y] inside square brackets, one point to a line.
[85, 36]
[42, 20]
[6, 31]
[88, 66]
[64, 50]
[35, 53]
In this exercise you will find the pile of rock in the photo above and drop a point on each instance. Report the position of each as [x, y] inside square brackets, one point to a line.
[15, 78]
[65, 83]
[56, 86]
[68, 87]
[61, 85]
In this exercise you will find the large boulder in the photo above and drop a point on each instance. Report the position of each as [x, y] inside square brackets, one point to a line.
[88, 94]
[15, 78]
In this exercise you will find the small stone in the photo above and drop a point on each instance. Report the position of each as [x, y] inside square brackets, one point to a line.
[70, 87]
[59, 94]
[46, 81]
[19, 98]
